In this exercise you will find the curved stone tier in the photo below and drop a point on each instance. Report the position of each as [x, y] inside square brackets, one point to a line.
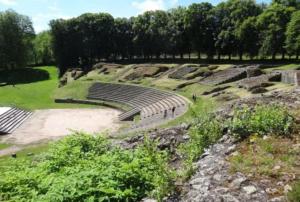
[153, 105]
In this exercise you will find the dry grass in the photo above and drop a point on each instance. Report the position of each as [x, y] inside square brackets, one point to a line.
[274, 159]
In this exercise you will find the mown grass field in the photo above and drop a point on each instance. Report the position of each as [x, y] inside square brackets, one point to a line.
[33, 93]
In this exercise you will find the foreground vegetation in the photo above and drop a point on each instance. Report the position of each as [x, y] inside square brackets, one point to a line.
[89, 168]
[82, 167]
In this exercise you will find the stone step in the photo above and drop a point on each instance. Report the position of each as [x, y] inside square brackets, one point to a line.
[12, 120]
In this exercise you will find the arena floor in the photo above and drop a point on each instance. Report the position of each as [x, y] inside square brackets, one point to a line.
[52, 124]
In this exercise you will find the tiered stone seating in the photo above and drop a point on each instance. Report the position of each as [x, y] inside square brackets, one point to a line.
[12, 119]
[149, 102]
[226, 76]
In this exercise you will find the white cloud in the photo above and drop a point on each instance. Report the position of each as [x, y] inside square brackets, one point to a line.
[151, 5]
[8, 2]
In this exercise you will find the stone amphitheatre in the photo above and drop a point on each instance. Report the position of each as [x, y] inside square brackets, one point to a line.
[118, 100]
[143, 95]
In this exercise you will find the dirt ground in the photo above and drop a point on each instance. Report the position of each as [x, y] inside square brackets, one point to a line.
[52, 124]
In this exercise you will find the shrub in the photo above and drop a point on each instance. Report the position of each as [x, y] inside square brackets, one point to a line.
[87, 168]
[263, 120]
[206, 130]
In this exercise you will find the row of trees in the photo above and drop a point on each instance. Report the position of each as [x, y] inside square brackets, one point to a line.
[19, 45]
[232, 28]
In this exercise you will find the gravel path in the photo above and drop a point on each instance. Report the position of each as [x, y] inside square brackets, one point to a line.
[55, 123]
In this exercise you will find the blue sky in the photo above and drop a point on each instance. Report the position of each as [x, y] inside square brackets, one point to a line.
[42, 11]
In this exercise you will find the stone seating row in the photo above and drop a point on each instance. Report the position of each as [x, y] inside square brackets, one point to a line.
[146, 101]
[12, 119]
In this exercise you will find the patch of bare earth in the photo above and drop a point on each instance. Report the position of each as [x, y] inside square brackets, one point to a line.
[45, 125]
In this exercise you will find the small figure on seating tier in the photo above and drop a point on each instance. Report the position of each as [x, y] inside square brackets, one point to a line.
[173, 111]
[165, 114]
[194, 97]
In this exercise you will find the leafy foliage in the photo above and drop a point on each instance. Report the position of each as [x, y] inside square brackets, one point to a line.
[293, 35]
[16, 34]
[206, 130]
[86, 168]
[262, 120]
[294, 195]
[43, 53]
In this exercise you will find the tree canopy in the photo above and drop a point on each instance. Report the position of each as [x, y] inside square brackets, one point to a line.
[239, 28]
[16, 34]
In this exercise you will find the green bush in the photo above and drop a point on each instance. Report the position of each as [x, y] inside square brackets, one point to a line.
[263, 120]
[205, 131]
[86, 168]
[294, 195]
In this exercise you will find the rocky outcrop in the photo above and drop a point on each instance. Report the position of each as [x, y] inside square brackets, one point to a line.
[71, 75]
[180, 73]
[214, 182]
[226, 76]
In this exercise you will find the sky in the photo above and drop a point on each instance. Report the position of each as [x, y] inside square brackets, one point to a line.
[42, 11]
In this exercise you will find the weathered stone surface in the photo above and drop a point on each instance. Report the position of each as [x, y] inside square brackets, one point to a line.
[214, 182]
[217, 89]
[180, 73]
[253, 71]
[225, 76]
[259, 90]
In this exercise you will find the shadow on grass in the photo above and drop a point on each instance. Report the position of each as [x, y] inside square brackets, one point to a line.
[23, 76]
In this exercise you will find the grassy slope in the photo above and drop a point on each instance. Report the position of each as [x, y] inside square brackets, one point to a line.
[36, 95]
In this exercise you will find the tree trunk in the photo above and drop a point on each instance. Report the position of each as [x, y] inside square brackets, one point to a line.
[241, 56]
[229, 56]
[297, 56]
[273, 56]
[219, 56]
[282, 55]
[181, 55]
[189, 55]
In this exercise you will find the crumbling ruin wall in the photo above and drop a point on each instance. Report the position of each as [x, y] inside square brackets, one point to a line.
[297, 79]
[290, 76]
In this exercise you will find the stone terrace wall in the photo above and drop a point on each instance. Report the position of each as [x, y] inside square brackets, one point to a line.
[290, 76]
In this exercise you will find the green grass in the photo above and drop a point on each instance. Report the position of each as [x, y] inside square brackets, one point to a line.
[284, 67]
[259, 157]
[38, 94]
[4, 145]
[7, 160]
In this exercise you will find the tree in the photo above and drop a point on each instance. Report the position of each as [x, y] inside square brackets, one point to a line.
[16, 34]
[272, 23]
[288, 3]
[43, 53]
[150, 33]
[293, 35]
[178, 43]
[230, 16]
[89, 36]
[199, 23]
[248, 35]
[123, 36]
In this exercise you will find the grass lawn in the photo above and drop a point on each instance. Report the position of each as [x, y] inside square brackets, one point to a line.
[4, 146]
[6, 161]
[35, 88]
[284, 67]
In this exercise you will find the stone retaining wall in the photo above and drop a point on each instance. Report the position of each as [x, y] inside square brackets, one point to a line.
[290, 77]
